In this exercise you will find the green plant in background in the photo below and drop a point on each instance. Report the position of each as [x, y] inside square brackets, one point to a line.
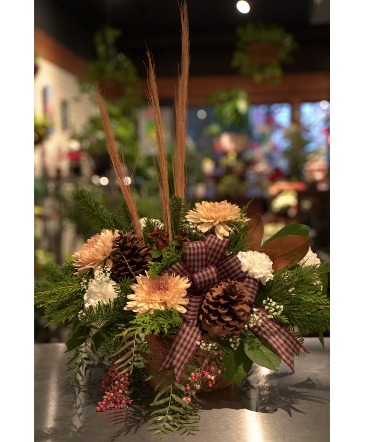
[261, 50]
[117, 78]
[111, 68]
[296, 154]
[230, 107]
[41, 126]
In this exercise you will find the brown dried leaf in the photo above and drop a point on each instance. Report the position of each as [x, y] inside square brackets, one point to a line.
[255, 228]
[286, 250]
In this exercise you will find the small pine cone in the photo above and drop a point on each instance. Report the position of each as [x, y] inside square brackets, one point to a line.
[130, 256]
[225, 310]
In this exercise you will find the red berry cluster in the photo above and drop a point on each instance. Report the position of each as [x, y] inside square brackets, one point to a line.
[205, 376]
[161, 238]
[116, 387]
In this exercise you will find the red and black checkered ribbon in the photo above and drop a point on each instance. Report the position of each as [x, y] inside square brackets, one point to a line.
[206, 264]
[280, 339]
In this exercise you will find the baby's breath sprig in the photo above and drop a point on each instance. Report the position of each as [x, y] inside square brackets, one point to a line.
[272, 308]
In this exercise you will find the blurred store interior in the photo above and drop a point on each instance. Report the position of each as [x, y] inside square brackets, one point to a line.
[258, 111]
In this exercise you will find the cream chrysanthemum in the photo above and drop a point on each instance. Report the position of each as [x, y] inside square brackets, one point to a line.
[257, 265]
[310, 259]
[100, 289]
[158, 293]
[95, 252]
[208, 215]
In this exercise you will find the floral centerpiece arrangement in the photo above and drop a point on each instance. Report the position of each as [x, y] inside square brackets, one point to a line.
[186, 303]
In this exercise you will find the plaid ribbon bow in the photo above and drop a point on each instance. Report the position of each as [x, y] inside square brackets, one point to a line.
[206, 264]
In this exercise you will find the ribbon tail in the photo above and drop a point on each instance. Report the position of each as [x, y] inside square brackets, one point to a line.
[184, 344]
[281, 340]
[182, 349]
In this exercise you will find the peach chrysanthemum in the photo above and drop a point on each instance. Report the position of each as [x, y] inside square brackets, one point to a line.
[95, 252]
[208, 215]
[158, 293]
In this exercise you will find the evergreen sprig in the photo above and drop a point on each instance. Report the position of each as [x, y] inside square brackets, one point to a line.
[129, 352]
[164, 322]
[94, 211]
[238, 236]
[178, 212]
[124, 221]
[170, 254]
[306, 304]
[105, 313]
[172, 415]
[61, 299]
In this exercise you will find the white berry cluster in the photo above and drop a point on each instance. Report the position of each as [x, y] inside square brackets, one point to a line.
[255, 319]
[211, 347]
[234, 342]
[272, 308]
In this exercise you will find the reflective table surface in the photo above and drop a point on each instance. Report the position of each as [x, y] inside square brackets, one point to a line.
[268, 407]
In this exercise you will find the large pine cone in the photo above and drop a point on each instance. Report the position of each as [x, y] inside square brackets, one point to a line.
[130, 256]
[225, 310]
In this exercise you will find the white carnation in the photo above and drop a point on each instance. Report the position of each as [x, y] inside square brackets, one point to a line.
[257, 265]
[310, 259]
[100, 289]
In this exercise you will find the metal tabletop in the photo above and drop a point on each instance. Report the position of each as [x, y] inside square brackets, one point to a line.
[268, 407]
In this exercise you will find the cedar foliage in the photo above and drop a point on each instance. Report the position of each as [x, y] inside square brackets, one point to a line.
[305, 301]
[59, 293]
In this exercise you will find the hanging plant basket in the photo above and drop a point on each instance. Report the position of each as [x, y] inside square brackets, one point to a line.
[262, 50]
[111, 89]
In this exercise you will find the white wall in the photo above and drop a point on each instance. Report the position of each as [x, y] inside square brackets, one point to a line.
[65, 86]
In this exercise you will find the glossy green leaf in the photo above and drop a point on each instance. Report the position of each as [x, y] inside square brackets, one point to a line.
[78, 336]
[237, 364]
[262, 355]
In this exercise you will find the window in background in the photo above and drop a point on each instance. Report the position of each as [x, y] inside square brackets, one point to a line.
[315, 126]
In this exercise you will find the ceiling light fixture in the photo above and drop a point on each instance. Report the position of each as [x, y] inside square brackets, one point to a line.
[243, 6]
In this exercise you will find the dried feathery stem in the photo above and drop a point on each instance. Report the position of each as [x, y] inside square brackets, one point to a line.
[162, 169]
[181, 103]
[118, 165]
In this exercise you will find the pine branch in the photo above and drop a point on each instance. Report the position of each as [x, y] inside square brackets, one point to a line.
[94, 211]
[238, 237]
[124, 221]
[105, 313]
[178, 212]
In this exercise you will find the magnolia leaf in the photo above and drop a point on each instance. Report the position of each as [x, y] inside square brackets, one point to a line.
[291, 229]
[286, 250]
[255, 228]
[237, 365]
[262, 355]
[77, 336]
